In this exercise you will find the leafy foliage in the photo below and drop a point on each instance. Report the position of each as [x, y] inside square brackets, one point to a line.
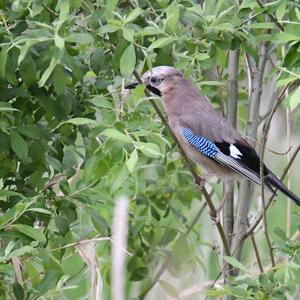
[72, 140]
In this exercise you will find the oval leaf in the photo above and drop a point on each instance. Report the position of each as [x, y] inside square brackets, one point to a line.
[19, 145]
[160, 43]
[79, 121]
[116, 134]
[235, 263]
[131, 162]
[33, 233]
[127, 61]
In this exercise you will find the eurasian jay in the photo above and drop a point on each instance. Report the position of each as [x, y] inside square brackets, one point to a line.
[204, 134]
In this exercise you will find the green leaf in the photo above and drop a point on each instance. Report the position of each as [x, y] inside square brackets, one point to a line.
[7, 193]
[295, 99]
[149, 149]
[78, 121]
[54, 61]
[59, 41]
[111, 5]
[133, 15]
[128, 34]
[19, 146]
[18, 252]
[162, 42]
[286, 81]
[149, 31]
[40, 210]
[28, 70]
[212, 83]
[59, 79]
[2, 109]
[62, 224]
[18, 291]
[3, 60]
[127, 61]
[116, 134]
[227, 26]
[35, 234]
[79, 38]
[267, 25]
[108, 28]
[131, 162]
[172, 17]
[235, 263]
[31, 131]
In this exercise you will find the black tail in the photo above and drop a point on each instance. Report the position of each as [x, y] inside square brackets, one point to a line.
[273, 181]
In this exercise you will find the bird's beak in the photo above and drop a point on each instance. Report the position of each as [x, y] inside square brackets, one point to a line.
[131, 85]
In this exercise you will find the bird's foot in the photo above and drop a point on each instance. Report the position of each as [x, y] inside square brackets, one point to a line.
[215, 217]
[200, 182]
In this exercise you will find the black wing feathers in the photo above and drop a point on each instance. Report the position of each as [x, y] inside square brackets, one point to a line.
[249, 157]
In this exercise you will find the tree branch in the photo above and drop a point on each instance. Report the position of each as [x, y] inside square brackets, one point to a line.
[272, 17]
[260, 216]
[261, 168]
[228, 210]
[246, 189]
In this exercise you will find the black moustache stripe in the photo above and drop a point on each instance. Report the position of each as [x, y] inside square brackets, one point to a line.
[154, 90]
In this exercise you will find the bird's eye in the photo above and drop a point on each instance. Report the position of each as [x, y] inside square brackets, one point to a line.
[155, 80]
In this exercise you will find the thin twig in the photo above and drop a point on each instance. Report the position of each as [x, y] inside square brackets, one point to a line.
[272, 17]
[259, 217]
[256, 253]
[54, 13]
[262, 184]
[288, 203]
[232, 105]
[266, 130]
[256, 75]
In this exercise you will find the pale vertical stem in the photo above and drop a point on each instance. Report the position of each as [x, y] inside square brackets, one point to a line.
[119, 235]
[246, 188]
[232, 104]
[289, 203]
[288, 155]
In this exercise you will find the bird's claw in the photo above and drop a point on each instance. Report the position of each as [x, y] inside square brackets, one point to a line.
[215, 217]
[200, 182]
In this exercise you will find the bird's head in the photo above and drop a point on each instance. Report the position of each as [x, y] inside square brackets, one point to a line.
[156, 79]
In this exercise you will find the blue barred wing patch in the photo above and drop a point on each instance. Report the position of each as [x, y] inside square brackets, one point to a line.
[202, 144]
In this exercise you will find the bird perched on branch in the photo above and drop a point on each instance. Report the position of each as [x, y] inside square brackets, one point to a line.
[204, 134]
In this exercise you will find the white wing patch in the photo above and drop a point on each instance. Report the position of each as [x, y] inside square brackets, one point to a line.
[235, 152]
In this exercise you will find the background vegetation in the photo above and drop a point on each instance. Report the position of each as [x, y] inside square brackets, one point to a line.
[72, 142]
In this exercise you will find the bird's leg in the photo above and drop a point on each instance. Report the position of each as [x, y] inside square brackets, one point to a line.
[216, 218]
[201, 180]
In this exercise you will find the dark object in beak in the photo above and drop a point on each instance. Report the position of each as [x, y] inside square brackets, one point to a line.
[131, 85]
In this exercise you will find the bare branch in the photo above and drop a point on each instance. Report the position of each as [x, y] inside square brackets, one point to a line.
[272, 17]
[261, 168]
[260, 216]
[246, 188]
[266, 130]
[232, 104]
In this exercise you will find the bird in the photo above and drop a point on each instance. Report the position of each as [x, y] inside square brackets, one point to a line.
[204, 134]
